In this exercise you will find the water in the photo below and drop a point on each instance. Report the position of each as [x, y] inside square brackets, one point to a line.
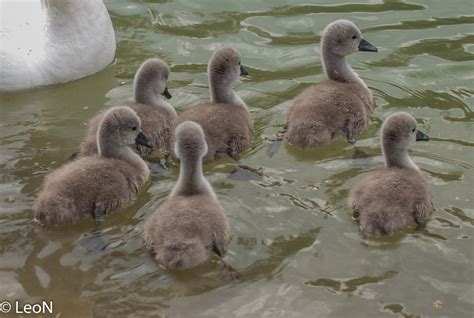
[294, 241]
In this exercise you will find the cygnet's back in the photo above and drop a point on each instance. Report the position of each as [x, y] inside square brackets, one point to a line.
[336, 107]
[225, 119]
[101, 183]
[190, 224]
[156, 114]
[397, 196]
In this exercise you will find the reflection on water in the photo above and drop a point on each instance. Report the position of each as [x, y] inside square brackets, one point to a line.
[297, 249]
[350, 285]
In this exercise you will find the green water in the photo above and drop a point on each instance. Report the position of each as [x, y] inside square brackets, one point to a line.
[295, 244]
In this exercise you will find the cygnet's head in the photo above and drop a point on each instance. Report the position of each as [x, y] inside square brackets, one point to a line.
[399, 130]
[121, 127]
[225, 65]
[342, 38]
[190, 141]
[151, 81]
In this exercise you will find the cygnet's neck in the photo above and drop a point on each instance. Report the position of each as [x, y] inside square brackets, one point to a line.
[109, 148]
[396, 156]
[146, 95]
[337, 68]
[191, 180]
[221, 90]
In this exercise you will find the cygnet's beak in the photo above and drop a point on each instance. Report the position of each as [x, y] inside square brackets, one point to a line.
[365, 46]
[243, 71]
[143, 140]
[166, 93]
[421, 136]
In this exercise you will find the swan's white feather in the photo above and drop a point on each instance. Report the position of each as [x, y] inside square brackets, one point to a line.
[52, 41]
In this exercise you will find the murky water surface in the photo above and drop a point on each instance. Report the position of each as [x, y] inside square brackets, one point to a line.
[294, 241]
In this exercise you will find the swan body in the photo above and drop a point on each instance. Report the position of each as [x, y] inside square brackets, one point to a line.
[53, 41]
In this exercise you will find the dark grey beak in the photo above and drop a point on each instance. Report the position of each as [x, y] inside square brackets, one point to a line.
[143, 140]
[421, 136]
[243, 71]
[365, 46]
[166, 93]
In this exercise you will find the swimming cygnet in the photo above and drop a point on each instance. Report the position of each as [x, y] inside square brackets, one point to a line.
[393, 197]
[99, 184]
[336, 107]
[190, 224]
[225, 119]
[156, 114]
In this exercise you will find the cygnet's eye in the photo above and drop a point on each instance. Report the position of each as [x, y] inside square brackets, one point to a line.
[134, 128]
[354, 37]
[413, 130]
[239, 62]
[227, 60]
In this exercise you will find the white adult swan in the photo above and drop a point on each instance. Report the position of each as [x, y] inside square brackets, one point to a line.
[44, 42]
